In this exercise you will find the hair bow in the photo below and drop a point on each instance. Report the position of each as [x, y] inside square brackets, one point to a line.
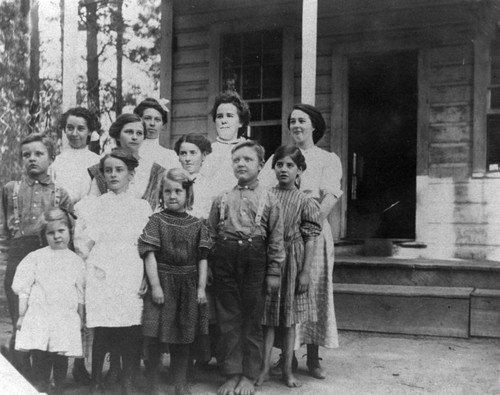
[188, 183]
[163, 103]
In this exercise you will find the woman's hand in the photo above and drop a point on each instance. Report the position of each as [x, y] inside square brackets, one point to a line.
[202, 295]
[272, 284]
[303, 280]
[144, 287]
[157, 294]
[19, 322]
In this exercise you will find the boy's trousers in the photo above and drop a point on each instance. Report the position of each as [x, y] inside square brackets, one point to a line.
[239, 271]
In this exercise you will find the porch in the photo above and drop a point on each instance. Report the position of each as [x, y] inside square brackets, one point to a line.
[391, 294]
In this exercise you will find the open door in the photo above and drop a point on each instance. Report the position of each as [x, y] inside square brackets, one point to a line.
[382, 146]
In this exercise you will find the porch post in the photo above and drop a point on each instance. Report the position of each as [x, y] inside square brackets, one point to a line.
[166, 56]
[309, 41]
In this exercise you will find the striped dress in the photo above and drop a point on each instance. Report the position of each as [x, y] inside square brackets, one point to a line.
[301, 223]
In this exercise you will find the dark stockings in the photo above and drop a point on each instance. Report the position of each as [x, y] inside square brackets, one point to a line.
[43, 364]
[179, 358]
[125, 339]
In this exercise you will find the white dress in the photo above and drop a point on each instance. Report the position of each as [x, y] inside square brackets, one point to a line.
[153, 151]
[218, 167]
[69, 170]
[113, 222]
[53, 282]
[322, 177]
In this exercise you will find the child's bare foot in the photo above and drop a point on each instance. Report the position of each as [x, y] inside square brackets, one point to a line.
[263, 376]
[229, 385]
[290, 380]
[245, 387]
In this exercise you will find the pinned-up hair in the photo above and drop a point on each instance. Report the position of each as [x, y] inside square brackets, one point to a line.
[182, 177]
[317, 120]
[232, 97]
[119, 153]
[149, 102]
[116, 127]
[194, 138]
[93, 123]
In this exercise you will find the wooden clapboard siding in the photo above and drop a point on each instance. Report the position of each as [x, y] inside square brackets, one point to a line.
[194, 51]
[451, 108]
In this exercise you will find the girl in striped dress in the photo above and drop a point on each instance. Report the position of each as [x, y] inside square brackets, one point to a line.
[294, 303]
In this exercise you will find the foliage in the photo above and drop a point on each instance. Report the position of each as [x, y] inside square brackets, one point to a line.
[13, 88]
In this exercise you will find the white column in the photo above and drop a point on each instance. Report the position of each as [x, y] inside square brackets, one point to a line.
[70, 54]
[309, 41]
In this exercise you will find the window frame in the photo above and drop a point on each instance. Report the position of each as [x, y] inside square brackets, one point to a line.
[283, 22]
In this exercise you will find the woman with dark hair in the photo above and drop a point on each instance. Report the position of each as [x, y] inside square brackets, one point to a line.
[106, 234]
[129, 131]
[155, 115]
[321, 181]
[193, 150]
[70, 167]
[231, 116]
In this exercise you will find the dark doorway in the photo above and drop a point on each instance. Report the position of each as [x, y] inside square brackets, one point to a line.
[382, 140]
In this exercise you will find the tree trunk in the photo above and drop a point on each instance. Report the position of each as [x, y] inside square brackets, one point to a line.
[119, 56]
[93, 82]
[34, 64]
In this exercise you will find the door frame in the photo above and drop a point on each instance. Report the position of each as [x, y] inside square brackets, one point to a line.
[339, 124]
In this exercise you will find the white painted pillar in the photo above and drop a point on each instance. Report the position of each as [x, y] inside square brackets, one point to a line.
[309, 42]
[70, 54]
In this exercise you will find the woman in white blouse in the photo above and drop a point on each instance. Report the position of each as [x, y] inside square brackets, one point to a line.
[321, 181]
[69, 169]
[155, 116]
[192, 150]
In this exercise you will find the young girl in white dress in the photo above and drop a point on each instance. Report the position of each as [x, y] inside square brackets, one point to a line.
[50, 285]
[107, 231]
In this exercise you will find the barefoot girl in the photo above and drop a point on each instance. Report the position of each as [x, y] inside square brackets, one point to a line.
[174, 246]
[294, 303]
[50, 282]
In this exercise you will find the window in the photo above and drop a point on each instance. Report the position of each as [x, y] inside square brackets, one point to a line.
[493, 114]
[252, 66]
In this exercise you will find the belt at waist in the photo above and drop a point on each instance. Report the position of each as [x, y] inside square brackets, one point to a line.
[249, 239]
[174, 269]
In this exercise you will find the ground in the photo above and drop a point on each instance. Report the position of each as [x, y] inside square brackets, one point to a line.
[367, 363]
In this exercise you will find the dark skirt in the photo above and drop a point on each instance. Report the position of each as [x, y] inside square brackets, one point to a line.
[180, 318]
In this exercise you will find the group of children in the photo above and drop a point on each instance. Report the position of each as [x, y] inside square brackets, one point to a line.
[144, 278]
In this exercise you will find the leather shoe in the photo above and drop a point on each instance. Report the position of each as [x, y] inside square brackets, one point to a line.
[80, 375]
[315, 370]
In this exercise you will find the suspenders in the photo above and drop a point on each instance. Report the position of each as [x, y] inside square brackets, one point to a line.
[15, 201]
[258, 215]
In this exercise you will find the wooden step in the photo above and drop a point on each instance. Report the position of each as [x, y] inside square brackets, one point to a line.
[417, 272]
[485, 313]
[417, 310]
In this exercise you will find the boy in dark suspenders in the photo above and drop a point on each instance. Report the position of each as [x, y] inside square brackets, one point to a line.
[247, 231]
[22, 204]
